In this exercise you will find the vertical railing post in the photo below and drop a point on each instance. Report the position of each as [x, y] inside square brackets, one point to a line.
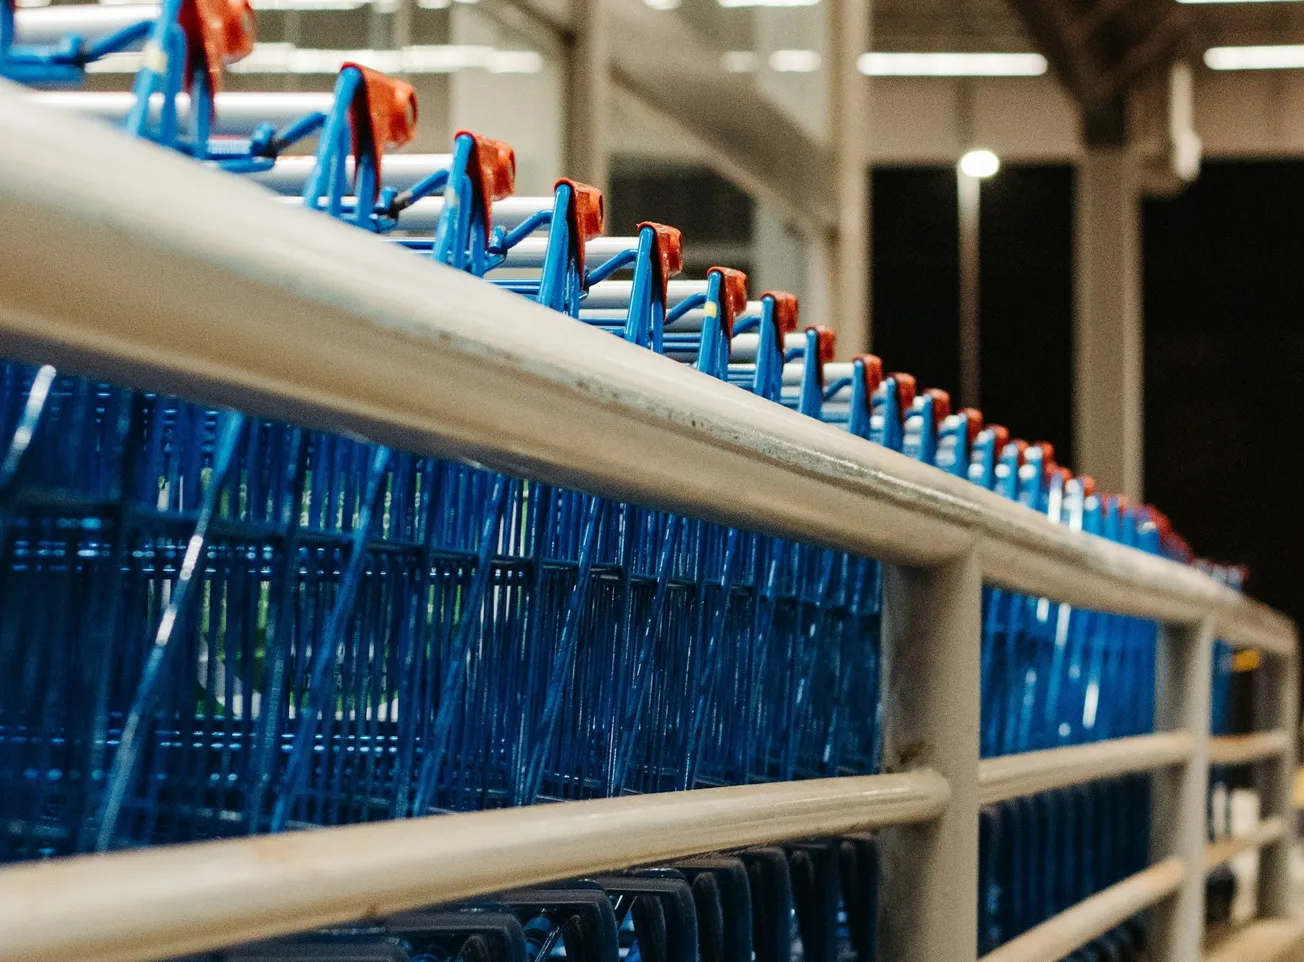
[1184, 673]
[932, 626]
[1276, 706]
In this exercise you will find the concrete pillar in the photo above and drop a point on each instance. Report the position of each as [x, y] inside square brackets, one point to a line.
[847, 247]
[524, 109]
[969, 195]
[587, 113]
[831, 104]
[778, 260]
[1108, 387]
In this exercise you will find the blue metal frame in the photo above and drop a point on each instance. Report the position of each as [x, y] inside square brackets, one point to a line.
[63, 63]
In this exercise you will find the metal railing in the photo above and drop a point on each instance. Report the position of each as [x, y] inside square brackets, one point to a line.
[187, 280]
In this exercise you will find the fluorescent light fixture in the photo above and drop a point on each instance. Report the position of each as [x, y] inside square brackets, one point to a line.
[879, 64]
[514, 61]
[309, 4]
[794, 61]
[980, 164]
[286, 58]
[1283, 57]
[734, 4]
[740, 61]
[382, 6]
[663, 4]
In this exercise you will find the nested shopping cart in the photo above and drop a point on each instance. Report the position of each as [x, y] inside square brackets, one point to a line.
[232, 621]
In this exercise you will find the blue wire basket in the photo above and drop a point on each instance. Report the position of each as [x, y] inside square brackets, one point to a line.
[215, 624]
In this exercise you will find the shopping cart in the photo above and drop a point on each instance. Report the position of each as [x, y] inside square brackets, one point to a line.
[184, 44]
[1051, 676]
[217, 624]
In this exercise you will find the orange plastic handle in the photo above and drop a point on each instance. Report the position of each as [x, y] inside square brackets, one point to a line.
[735, 296]
[828, 342]
[941, 405]
[669, 253]
[973, 423]
[873, 372]
[384, 109]
[587, 213]
[906, 388]
[493, 165]
[785, 312]
[218, 31]
[391, 107]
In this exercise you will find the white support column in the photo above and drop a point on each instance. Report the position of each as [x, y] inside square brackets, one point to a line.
[1276, 700]
[525, 110]
[969, 194]
[778, 263]
[1178, 827]
[1108, 387]
[932, 626]
[587, 89]
[846, 255]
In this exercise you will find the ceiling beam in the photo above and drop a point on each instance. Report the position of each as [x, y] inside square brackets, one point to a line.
[1163, 39]
[1099, 67]
[1054, 32]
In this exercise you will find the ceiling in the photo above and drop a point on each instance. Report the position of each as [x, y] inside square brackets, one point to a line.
[1100, 50]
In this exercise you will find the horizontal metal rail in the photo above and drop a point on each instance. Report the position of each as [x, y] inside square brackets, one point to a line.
[392, 346]
[1028, 773]
[236, 113]
[1225, 849]
[1060, 935]
[1263, 940]
[91, 21]
[1244, 749]
[163, 902]
[290, 173]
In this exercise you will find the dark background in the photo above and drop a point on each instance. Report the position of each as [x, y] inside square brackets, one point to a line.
[1223, 270]
[1224, 328]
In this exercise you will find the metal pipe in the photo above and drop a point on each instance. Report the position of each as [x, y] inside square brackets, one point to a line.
[1262, 940]
[530, 252]
[1179, 795]
[92, 21]
[1276, 711]
[931, 716]
[1244, 749]
[163, 902]
[1225, 849]
[392, 345]
[235, 114]
[401, 171]
[1060, 935]
[1027, 773]
[423, 215]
